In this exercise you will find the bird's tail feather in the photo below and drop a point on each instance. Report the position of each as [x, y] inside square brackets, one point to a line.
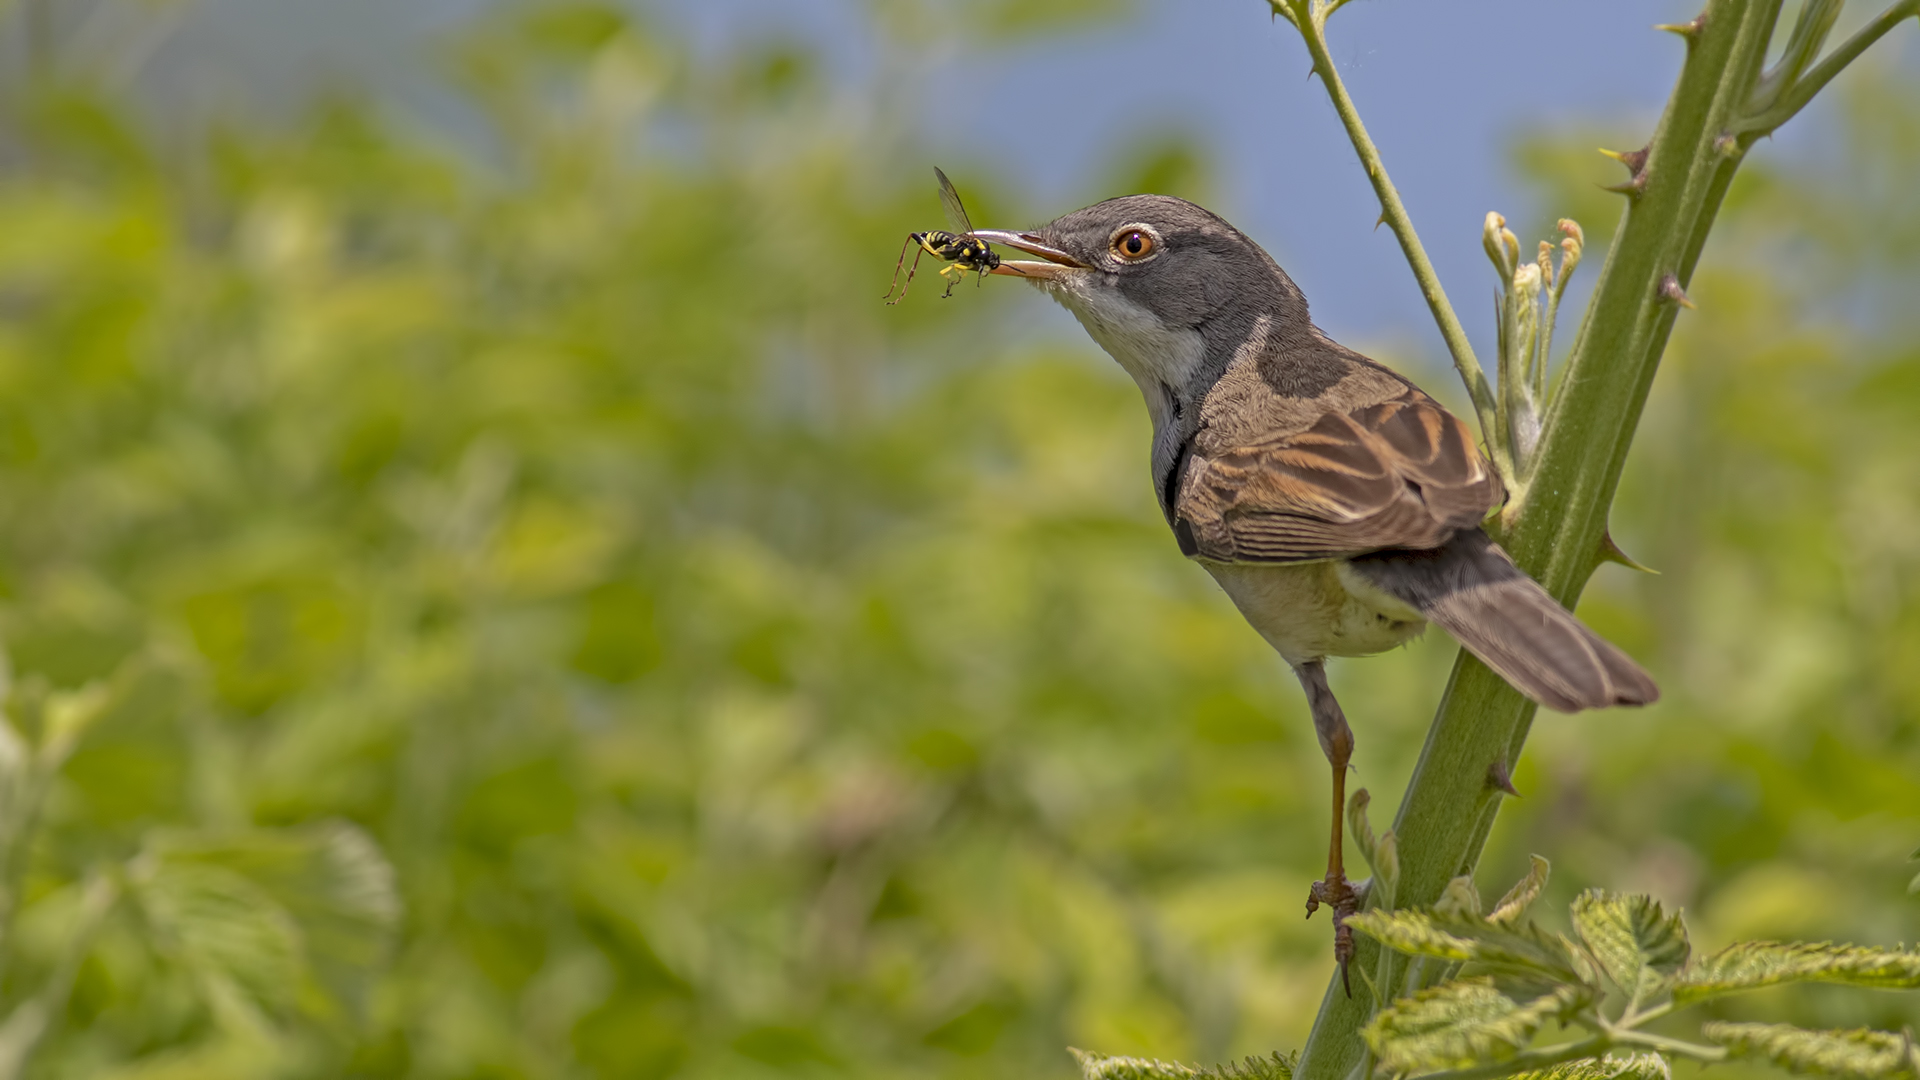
[1472, 590]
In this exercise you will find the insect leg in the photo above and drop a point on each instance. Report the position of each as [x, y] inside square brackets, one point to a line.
[911, 270]
[897, 264]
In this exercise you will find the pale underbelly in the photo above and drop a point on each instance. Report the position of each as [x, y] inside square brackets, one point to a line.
[1311, 610]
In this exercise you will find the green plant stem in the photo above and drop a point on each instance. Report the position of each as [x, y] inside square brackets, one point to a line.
[1635, 1017]
[1311, 22]
[1676, 1047]
[1795, 97]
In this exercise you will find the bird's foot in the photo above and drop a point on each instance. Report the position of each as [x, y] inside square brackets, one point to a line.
[1339, 894]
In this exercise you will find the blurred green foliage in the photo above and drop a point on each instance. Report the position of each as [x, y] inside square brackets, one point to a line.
[737, 679]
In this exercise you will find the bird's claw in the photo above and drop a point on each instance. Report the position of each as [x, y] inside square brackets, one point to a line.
[1339, 894]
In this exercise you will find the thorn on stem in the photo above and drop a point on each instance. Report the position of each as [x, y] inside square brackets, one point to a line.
[1610, 552]
[1499, 778]
[1670, 289]
[1689, 30]
[1630, 188]
[1634, 160]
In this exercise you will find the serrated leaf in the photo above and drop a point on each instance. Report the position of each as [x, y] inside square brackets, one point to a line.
[330, 880]
[1460, 1024]
[1524, 892]
[1749, 965]
[1861, 1052]
[1275, 1066]
[1610, 1067]
[1637, 944]
[1524, 950]
[1102, 1067]
[244, 950]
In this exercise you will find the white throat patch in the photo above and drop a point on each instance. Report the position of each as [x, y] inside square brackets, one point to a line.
[1150, 352]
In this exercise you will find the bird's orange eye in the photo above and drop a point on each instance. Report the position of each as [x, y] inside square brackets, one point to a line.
[1133, 245]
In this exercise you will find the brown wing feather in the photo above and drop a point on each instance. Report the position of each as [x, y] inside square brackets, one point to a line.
[1402, 473]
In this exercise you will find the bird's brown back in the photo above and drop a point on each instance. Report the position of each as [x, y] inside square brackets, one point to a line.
[1307, 450]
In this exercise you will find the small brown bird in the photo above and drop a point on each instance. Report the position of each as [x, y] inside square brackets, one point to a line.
[1334, 502]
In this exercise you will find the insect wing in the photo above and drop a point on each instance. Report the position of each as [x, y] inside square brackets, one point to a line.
[950, 199]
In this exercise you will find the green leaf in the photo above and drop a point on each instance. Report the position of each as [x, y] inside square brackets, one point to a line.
[1610, 1067]
[329, 880]
[1749, 965]
[1274, 1066]
[243, 949]
[1860, 1052]
[1459, 1024]
[1524, 950]
[1524, 892]
[1638, 945]
[1101, 1067]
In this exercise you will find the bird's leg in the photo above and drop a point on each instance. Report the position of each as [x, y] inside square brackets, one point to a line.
[1336, 741]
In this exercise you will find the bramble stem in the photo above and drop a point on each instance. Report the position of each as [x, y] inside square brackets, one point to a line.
[1795, 97]
[1309, 17]
[1557, 532]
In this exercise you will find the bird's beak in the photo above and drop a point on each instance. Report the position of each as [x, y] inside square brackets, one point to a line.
[1057, 264]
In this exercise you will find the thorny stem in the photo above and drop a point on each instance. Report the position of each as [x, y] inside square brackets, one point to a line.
[1558, 536]
[1309, 17]
[1803, 89]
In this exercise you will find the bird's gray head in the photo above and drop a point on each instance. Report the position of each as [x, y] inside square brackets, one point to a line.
[1165, 255]
[1168, 288]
